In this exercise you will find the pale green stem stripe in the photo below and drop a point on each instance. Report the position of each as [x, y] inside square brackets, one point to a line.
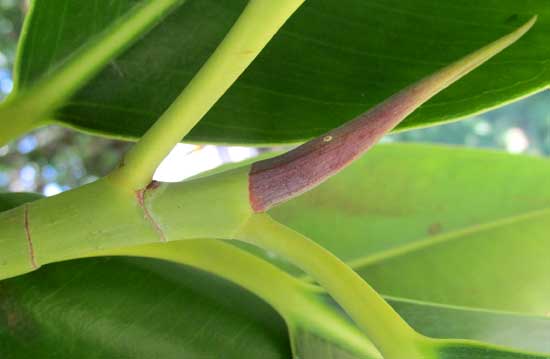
[25, 110]
[393, 337]
[268, 282]
[258, 23]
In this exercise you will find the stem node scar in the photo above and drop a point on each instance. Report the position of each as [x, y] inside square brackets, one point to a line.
[141, 196]
[32, 257]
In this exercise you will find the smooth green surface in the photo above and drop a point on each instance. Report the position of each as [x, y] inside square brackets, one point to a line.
[76, 25]
[303, 306]
[255, 27]
[131, 308]
[315, 347]
[446, 225]
[309, 314]
[44, 82]
[109, 216]
[14, 199]
[365, 306]
[467, 350]
[136, 308]
[529, 333]
[141, 308]
[331, 61]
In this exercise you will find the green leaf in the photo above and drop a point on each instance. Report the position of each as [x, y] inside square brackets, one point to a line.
[134, 308]
[319, 348]
[484, 334]
[524, 332]
[137, 308]
[438, 224]
[12, 200]
[50, 67]
[331, 61]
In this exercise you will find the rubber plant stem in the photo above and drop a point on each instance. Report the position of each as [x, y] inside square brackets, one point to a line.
[255, 27]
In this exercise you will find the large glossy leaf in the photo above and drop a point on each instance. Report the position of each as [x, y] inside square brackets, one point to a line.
[136, 308]
[131, 308]
[455, 226]
[331, 61]
[71, 26]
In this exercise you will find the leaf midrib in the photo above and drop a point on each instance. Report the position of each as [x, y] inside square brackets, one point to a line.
[495, 312]
[456, 234]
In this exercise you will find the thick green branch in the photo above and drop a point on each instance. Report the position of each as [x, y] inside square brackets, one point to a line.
[26, 109]
[102, 216]
[258, 23]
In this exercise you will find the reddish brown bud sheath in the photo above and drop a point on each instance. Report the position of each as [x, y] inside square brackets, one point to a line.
[281, 178]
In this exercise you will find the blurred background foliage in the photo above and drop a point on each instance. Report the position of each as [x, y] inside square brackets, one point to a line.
[54, 159]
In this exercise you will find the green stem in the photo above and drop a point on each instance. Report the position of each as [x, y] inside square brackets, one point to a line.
[15, 122]
[109, 216]
[269, 283]
[24, 110]
[300, 304]
[393, 337]
[102, 216]
[258, 23]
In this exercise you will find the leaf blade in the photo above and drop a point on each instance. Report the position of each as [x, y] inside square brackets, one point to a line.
[347, 71]
[434, 224]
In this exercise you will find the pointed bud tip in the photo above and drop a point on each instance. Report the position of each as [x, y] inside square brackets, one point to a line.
[281, 178]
